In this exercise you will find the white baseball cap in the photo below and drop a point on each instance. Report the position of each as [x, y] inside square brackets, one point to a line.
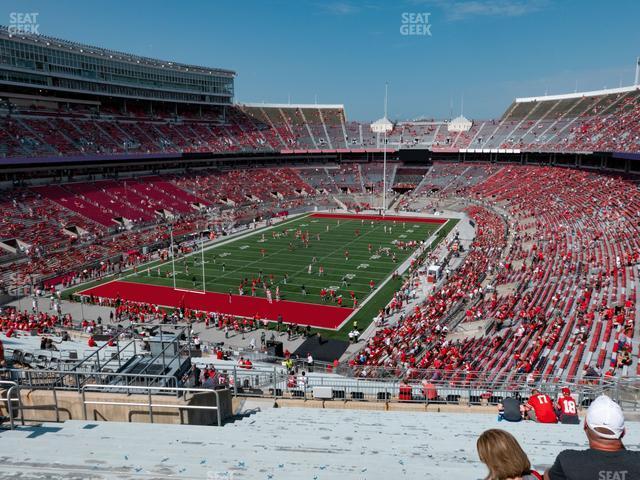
[607, 414]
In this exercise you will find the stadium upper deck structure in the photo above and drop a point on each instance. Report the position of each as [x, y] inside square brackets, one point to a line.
[61, 66]
[100, 151]
[65, 99]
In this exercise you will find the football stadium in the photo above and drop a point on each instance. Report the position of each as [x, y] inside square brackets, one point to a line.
[198, 284]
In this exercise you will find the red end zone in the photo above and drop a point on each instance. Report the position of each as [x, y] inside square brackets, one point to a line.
[387, 218]
[320, 316]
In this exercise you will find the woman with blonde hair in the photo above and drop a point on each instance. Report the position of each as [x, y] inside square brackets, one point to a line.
[503, 456]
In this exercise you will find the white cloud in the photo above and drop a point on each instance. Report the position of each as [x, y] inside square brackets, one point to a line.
[464, 9]
[340, 8]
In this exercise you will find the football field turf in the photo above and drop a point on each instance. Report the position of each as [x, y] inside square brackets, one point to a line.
[281, 258]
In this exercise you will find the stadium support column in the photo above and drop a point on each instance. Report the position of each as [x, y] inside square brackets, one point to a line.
[637, 81]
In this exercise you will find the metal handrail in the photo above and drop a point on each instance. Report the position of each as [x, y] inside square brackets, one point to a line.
[182, 328]
[81, 377]
[473, 379]
[9, 400]
[150, 405]
[103, 347]
[119, 351]
[276, 380]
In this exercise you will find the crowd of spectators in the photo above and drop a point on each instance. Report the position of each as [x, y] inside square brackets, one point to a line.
[560, 297]
[560, 260]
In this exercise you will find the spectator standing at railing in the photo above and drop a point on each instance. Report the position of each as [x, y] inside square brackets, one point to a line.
[223, 379]
[309, 362]
[196, 375]
[405, 391]
[429, 390]
[208, 381]
[291, 379]
[303, 381]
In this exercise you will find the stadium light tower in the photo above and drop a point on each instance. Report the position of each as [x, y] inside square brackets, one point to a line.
[173, 258]
[204, 282]
[383, 126]
[384, 156]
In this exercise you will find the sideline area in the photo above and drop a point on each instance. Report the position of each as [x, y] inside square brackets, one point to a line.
[319, 316]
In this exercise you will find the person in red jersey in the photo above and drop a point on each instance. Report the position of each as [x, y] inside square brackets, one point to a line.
[540, 408]
[567, 408]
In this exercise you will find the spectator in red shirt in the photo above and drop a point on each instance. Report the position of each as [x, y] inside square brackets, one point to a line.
[567, 408]
[405, 391]
[429, 390]
[540, 408]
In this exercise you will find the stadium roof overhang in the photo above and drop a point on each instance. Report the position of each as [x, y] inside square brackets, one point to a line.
[567, 96]
[335, 106]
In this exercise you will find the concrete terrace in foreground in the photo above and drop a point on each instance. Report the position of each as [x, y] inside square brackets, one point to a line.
[284, 443]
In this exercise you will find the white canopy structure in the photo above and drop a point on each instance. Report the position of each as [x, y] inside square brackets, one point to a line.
[382, 126]
[460, 124]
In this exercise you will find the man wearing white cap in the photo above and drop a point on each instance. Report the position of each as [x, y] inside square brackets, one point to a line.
[606, 458]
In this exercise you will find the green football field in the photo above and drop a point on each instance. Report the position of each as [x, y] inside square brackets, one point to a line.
[284, 260]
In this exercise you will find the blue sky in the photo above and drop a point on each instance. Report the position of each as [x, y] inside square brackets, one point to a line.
[343, 51]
